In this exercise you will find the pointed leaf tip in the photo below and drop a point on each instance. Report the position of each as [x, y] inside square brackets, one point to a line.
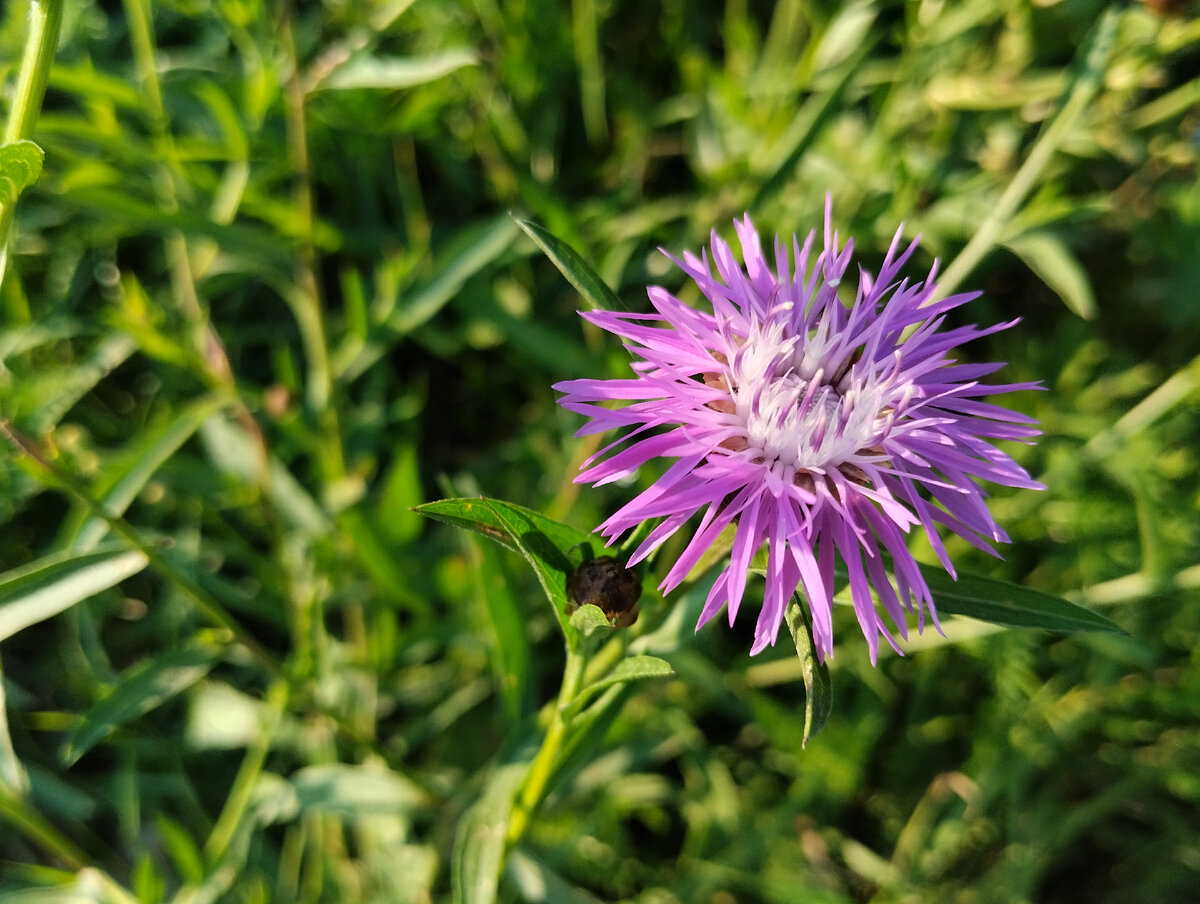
[571, 264]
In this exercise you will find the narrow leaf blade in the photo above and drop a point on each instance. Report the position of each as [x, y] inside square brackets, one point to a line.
[818, 686]
[148, 453]
[352, 791]
[1058, 268]
[572, 265]
[52, 584]
[480, 840]
[142, 688]
[632, 668]
[1012, 605]
[393, 73]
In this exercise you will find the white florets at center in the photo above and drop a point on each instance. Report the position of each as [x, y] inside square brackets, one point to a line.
[803, 406]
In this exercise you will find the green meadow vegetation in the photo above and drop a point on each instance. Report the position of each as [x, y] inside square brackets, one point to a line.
[281, 277]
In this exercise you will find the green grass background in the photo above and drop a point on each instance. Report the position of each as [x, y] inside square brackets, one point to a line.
[266, 297]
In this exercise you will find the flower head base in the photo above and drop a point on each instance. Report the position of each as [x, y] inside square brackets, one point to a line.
[821, 430]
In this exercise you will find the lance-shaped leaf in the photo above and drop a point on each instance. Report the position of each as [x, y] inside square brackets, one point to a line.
[553, 549]
[1002, 603]
[572, 265]
[20, 166]
[818, 686]
[50, 585]
[142, 688]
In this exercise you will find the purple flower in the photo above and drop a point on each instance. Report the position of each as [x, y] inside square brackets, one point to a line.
[819, 429]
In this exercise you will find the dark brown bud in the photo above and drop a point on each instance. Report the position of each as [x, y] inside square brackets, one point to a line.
[606, 583]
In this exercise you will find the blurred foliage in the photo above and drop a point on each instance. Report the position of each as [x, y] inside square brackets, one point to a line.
[265, 298]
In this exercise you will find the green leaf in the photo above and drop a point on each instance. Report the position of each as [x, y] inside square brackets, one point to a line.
[13, 778]
[591, 626]
[141, 688]
[401, 491]
[470, 252]
[396, 72]
[234, 452]
[632, 668]
[818, 686]
[553, 549]
[351, 791]
[148, 453]
[1048, 257]
[1008, 604]
[59, 894]
[479, 842]
[536, 882]
[41, 400]
[510, 644]
[20, 166]
[48, 586]
[780, 159]
[179, 846]
[572, 265]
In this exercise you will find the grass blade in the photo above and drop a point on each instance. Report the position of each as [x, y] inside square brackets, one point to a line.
[142, 688]
[50, 585]
[151, 451]
[571, 264]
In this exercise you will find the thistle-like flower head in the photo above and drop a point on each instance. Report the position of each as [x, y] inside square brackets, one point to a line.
[821, 429]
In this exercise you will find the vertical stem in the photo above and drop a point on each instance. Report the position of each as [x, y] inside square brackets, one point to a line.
[1082, 91]
[542, 768]
[307, 302]
[240, 794]
[45, 17]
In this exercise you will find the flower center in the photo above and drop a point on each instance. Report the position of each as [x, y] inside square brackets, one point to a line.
[803, 410]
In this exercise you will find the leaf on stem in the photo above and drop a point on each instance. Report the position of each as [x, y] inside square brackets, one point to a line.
[572, 265]
[632, 668]
[1012, 605]
[818, 686]
[481, 837]
[142, 688]
[552, 548]
[20, 166]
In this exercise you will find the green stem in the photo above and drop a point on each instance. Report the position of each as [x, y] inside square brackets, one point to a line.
[247, 778]
[45, 17]
[542, 768]
[28, 822]
[307, 302]
[1048, 142]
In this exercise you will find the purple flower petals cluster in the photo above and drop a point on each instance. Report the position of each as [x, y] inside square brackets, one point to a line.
[821, 430]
